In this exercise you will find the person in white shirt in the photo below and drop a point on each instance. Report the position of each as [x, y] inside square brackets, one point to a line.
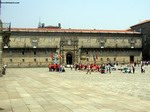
[4, 69]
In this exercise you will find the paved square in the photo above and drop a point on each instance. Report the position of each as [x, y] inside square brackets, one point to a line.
[38, 90]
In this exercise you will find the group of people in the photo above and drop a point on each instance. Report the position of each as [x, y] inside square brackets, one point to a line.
[142, 67]
[56, 68]
[93, 68]
[89, 68]
[107, 68]
[131, 68]
[82, 67]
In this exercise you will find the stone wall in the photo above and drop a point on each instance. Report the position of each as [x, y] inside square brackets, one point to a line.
[27, 57]
[144, 29]
[110, 55]
[33, 49]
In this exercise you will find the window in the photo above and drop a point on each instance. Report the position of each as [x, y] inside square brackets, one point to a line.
[114, 59]
[46, 52]
[22, 60]
[10, 60]
[115, 40]
[132, 45]
[10, 53]
[88, 40]
[34, 60]
[34, 43]
[132, 40]
[107, 59]
[87, 59]
[69, 42]
[101, 59]
[87, 52]
[22, 52]
[102, 45]
[34, 52]
[46, 60]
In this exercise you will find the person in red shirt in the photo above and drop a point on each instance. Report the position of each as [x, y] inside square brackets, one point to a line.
[58, 66]
[55, 67]
[49, 66]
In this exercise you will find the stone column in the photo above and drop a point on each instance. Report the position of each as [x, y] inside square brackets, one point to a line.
[1, 49]
[1, 55]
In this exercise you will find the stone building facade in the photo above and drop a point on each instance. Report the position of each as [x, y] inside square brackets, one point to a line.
[33, 47]
[144, 29]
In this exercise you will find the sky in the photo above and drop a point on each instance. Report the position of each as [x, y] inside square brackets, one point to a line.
[76, 14]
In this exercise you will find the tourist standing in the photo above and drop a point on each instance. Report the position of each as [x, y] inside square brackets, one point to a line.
[103, 69]
[88, 69]
[4, 69]
[71, 66]
[60, 69]
[142, 68]
[109, 68]
[133, 68]
[63, 68]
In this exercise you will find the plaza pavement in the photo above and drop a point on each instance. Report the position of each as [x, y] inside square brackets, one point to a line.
[38, 90]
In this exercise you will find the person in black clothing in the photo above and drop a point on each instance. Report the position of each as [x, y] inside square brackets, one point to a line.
[133, 68]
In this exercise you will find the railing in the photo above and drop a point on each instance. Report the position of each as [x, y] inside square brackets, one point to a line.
[5, 26]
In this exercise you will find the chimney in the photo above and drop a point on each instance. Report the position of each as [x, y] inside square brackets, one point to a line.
[59, 25]
[43, 25]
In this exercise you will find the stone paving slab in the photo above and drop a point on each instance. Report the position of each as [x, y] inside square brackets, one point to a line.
[38, 90]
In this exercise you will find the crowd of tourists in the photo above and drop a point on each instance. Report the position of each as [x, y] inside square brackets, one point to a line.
[104, 68]
[82, 67]
[56, 67]
[93, 68]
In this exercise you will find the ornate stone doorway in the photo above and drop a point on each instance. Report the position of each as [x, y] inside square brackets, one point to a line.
[69, 59]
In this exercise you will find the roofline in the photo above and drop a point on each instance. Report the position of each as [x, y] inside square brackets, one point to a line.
[72, 30]
[143, 22]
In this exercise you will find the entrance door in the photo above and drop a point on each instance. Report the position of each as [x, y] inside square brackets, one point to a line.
[69, 59]
[131, 59]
